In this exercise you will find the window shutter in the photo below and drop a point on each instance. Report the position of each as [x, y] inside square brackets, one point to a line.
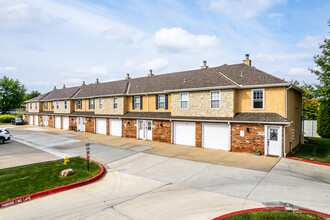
[132, 102]
[141, 103]
[166, 101]
[156, 101]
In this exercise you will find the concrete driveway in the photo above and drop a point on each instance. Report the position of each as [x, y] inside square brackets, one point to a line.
[140, 185]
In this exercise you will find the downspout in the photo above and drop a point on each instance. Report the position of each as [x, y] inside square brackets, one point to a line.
[286, 116]
[229, 147]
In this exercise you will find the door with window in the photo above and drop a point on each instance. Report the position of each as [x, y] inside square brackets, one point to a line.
[274, 140]
[80, 124]
[145, 130]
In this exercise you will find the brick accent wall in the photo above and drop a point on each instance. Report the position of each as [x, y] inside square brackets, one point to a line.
[129, 128]
[108, 128]
[73, 123]
[162, 131]
[89, 125]
[51, 121]
[198, 134]
[41, 119]
[252, 141]
[26, 119]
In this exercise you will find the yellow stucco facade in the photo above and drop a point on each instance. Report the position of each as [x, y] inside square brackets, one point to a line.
[148, 104]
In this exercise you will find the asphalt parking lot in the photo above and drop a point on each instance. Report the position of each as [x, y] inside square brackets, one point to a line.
[139, 185]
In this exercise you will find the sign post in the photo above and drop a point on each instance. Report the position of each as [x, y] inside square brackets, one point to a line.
[87, 154]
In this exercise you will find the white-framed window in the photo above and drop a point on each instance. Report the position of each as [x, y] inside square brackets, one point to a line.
[57, 104]
[137, 102]
[35, 105]
[30, 105]
[53, 104]
[184, 100]
[215, 99]
[258, 98]
[161, 101]
[65, 104]
[45, 105]
[79, 104]
[115, 102]
[100, 103]
[91, 104]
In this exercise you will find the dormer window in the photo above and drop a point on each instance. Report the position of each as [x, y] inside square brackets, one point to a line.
[258, 99]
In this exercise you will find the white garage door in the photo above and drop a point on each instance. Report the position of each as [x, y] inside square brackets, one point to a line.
[115, 127]
[57, 122]
[31, 120]
[36, 120]
[101, 126]
[65, 123]
[184, 133]
[215, 136]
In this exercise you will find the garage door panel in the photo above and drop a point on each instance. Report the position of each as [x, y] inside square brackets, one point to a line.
[101, 126]
[36, 120]
[115, 127]
[31, 120]
[215, 136]
[184, 133]
[65, 123]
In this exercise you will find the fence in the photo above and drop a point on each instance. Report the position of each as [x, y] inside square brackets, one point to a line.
[310, 127]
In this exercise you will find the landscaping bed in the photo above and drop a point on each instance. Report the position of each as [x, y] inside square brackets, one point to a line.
[319, 151]
[25, 180]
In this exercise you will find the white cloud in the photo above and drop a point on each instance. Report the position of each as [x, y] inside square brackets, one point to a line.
[310, 42]
[281, 57]
[243, 8]
[177, 39]
[156, 64]
[299, 71]
[93, 71]
[8, 69]
[36, 83]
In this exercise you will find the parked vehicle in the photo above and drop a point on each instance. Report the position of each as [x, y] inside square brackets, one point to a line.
[17, 121]
[4, 135]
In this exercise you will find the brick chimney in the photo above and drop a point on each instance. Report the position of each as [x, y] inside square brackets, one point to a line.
[127, 77]
[54, 87]
[247, 61]
[63, 86]
[150, 73]
[204, 66]
[83, 84]
[97, 81]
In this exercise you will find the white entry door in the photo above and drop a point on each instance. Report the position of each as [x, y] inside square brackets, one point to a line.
[145, 130]
[36, 120]
[81, 124]
[115, 127]
[46, 120]
[274, 140]
[101, 126]
[58, 122]
[215, 136]
[65, 123]
[31, 120]
[184, 133]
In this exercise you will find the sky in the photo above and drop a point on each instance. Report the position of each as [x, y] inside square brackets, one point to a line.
[47, 43]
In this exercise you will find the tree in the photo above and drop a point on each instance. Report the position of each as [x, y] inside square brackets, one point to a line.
[323, 125]
[11, 94]
[31, 95]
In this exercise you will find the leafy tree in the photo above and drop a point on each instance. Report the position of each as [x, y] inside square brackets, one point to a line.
[31, 95]
[11, 94]
[323, 125]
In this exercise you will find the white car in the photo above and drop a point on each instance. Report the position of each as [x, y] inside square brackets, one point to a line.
[4, 135]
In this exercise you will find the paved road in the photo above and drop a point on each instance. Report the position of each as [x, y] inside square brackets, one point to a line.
[139, 185]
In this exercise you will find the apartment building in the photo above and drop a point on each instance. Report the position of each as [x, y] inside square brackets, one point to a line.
[230, 107]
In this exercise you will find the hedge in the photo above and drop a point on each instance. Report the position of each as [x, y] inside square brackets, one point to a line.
[6, 118]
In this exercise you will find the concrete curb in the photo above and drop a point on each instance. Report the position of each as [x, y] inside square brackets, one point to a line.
[309, 161]
[266, 209]
[55, 190]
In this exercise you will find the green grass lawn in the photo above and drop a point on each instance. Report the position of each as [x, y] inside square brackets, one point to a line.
[275, 215]
[25, 180]
[315, 152]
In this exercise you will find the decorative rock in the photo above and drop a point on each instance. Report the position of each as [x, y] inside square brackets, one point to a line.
[67, 172]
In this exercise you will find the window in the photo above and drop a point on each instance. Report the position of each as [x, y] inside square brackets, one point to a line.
[65, 104]
[115, 102]
[57, 104]
[35, 105]
[53, 104]
[161, 102]
[258, 98]
[91, 104]
[100, 103]
[30, 105]
[137, 102]
[184, 100]
[79, 104]
[215, 99]
[273, 134]
[45, 105]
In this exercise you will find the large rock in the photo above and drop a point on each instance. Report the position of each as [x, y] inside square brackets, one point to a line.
[67, 172]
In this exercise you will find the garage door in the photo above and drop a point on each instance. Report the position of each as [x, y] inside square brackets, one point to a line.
[31, 120]
[215, 136]
[115, 127]
[35, 120]
[184, 133]
[57, 122]
[101, 126]
[65, 123]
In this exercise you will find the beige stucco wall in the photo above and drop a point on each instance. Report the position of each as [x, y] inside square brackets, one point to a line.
[199, 104]
[61, 108]
[274, 100]
[108, 106]
[34, 108]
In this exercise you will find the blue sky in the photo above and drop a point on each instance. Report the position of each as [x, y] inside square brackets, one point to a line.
[47, 43]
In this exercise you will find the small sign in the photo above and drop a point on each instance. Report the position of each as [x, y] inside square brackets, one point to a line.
[261, 133]
[241, 133]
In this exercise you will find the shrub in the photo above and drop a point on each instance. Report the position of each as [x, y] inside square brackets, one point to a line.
[323, 119]
[19, 115]
[6, 118]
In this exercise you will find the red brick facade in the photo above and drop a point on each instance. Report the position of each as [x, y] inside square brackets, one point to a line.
[51, 121]
[26, 119]
[41, 119]
[73, 123]
[129, 128]
[89, 125]
[198, 133]
[252, 140]
[162, 131]
[108, 128]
